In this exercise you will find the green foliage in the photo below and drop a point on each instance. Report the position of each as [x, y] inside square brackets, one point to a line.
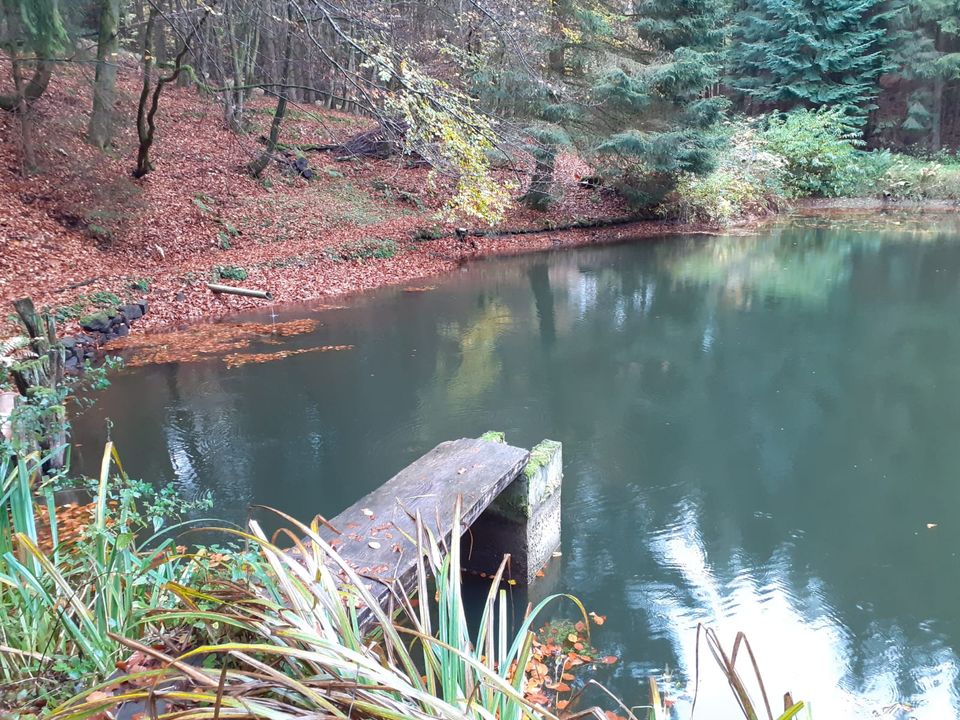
[230, 272]
[373, 249]
[819, 148]
[808, 53]
[922, 47]
[104, 299]
[41, 24]
[62, 597]
[907, 178]
[668, 127]
[291, 628]
[101, 299]
[748, 181]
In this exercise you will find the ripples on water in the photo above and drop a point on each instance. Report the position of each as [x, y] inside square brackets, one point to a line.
[756, 432]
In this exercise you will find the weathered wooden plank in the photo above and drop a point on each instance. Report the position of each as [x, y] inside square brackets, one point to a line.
[371, 531]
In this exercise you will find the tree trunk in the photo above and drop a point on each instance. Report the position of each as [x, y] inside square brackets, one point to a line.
[257, 167]
[539, 195]
[100, 132]
[936, 126]
[20, 103]
[146, 119]
[143, 134]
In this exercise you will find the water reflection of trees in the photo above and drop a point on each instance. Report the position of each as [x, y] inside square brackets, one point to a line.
[801, 262]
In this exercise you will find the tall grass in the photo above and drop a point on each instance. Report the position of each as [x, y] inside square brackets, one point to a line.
[297, 647]
[279, 633]
[67, 606]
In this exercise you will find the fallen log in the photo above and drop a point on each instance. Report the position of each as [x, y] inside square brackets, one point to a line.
[246, 292]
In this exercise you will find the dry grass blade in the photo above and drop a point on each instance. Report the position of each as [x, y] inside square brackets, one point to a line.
[727, 664]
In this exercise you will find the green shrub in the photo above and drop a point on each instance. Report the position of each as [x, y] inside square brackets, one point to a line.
[64, 605]
[748, 180]
[104, 299]
[377, 248]
[230, 272]
[819, 150]
[908, 178]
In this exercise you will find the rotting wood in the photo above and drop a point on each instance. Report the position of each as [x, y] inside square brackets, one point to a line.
[246, 292]
[374, 534]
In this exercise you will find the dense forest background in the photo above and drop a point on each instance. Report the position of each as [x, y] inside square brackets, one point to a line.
[638, 85]
[169, 143]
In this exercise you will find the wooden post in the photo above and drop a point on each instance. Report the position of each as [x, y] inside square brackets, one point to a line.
[48, 374]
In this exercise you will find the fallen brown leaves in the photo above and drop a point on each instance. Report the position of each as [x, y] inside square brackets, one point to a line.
[83, 219]
[214, 339]
[560, 650]
[238, 359]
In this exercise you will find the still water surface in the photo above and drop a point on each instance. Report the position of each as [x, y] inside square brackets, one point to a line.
[760, 433]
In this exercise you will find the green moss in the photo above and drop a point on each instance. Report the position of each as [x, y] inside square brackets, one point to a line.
[87, 319]
[493, 436]
[540, 455]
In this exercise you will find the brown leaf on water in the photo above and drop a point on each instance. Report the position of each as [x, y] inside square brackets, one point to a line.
[237, 359]
[196, 344]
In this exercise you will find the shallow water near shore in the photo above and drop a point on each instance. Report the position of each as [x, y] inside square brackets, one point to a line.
[760, 434]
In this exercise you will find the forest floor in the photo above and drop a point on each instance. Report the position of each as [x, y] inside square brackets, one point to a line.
[81, 226]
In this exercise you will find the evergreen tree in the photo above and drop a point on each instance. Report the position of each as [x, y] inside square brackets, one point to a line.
[634, 90]
[924, 49]
[34, 31]
[807, 53]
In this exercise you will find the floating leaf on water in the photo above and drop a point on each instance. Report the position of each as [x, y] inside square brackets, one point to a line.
[238, 359]
[202, 342]
[374, 545]
[931, 526]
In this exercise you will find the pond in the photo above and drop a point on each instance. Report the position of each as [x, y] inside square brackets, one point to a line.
[760, 433]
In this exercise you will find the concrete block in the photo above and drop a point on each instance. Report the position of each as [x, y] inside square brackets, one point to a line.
[523, 521]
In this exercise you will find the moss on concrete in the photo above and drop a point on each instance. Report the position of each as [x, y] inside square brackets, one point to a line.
[494, 436]
[540, 455]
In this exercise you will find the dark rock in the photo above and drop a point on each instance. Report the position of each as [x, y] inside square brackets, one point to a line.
[132, 311]
[98, 323]
[181, 295]
[72, 362]
[123, 331]
[143, 307]
[116, 321]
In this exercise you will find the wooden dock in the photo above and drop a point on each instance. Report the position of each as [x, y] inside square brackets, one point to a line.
[372, 534]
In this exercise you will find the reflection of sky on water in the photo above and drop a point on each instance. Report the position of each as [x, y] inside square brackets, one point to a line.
[801, 647]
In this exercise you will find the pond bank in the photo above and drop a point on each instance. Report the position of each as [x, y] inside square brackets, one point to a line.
[175, 303]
